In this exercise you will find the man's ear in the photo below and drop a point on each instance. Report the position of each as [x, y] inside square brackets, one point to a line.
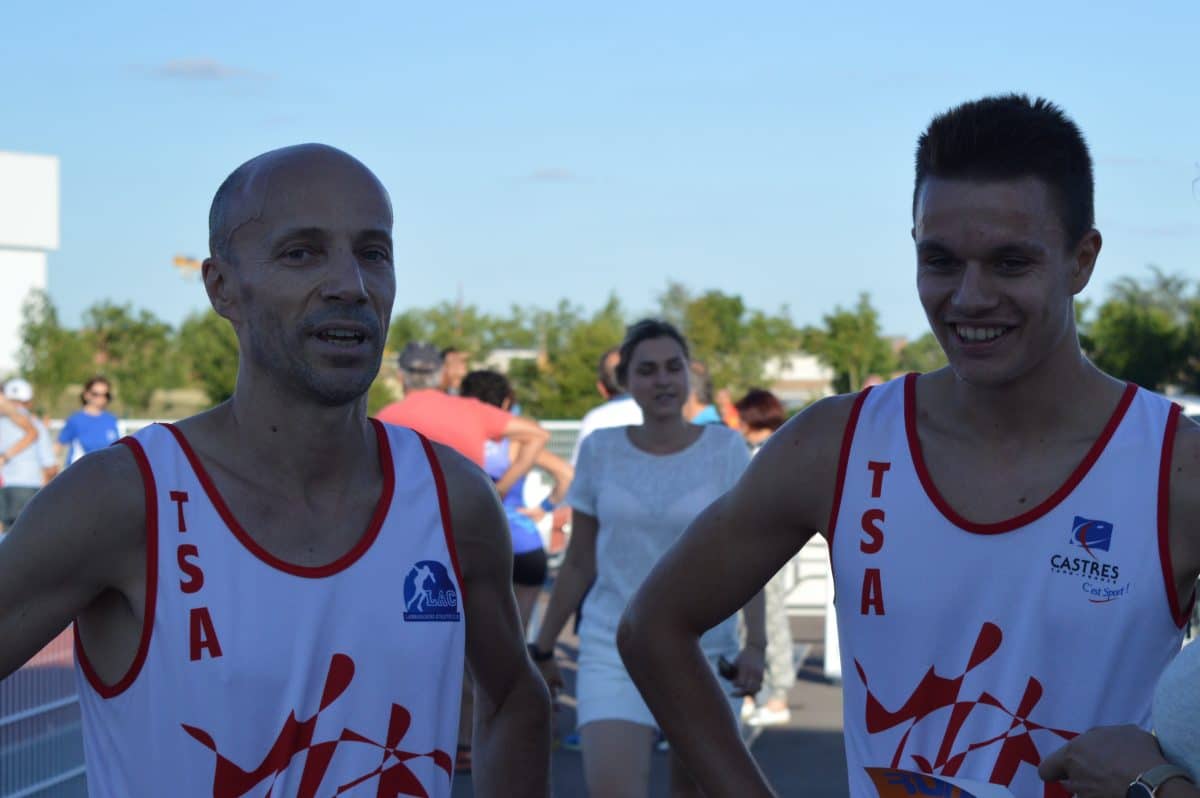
[218, 283]
[1083, 262]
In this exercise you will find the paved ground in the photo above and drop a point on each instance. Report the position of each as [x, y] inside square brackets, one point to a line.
[804, 758]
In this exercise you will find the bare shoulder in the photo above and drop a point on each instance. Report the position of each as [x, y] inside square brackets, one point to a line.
[87, 528]
[792, 479]
[99, 500]
[813, 437]
[476, 517]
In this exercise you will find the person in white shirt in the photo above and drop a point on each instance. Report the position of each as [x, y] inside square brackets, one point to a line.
[618, 410]
[23, 451]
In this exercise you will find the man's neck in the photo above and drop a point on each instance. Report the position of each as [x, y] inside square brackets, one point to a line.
[1047, 398]
[300, 441]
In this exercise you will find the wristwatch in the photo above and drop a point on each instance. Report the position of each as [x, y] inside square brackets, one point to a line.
[1146, 785]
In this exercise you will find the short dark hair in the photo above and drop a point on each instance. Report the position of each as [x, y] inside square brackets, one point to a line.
[489, 387]
[702, 383]
[606, 371]
[760, 409]
[92, 383]
[1009, 137]
[645, 330]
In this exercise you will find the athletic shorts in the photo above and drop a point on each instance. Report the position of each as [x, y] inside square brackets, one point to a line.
[13, 499]
[529, 568]
[604, 691]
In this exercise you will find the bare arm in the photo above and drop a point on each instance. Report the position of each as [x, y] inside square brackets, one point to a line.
[79, 536]
[1184, 521]
[532, 439]
[13, 414]
[511, 747]
[726, 556]
[576, 575]
[559, 470]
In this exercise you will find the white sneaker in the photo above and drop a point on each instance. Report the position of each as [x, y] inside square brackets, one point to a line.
[765, 716]
[748, 709]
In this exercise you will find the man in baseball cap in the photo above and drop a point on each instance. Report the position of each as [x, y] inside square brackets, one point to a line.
[26, 453]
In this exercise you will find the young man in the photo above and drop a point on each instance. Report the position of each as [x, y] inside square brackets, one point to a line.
[275, 596]
[1012, 537]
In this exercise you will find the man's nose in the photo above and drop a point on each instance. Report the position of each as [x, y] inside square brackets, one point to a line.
[344, 277]
[975, 291]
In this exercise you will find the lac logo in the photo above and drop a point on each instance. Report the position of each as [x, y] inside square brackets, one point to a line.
[429, 593]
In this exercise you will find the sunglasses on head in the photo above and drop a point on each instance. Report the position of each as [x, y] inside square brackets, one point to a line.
[99, 394]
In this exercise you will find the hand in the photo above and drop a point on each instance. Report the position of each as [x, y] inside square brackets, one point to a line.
[750, 663]
[1102, 762]
[534, 513]
[552, 675]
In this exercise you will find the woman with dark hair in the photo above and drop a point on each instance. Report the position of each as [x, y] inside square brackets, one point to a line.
[636, 489]
[529, 554]
[760, 413]
[93, 427]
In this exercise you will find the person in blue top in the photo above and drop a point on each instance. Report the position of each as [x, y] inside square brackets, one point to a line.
[93, 427]
[529, 554]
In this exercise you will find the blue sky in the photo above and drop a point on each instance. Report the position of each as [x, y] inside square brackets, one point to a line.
[536, 151]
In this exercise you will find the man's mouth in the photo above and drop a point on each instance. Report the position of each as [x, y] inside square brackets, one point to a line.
[973, 334]
[342, 336]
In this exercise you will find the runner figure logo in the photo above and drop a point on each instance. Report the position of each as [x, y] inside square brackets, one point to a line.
[430, 594]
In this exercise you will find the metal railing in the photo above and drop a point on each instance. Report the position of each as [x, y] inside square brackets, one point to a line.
[41, 746]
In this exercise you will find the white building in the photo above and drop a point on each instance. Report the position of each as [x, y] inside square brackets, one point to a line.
[799, 378]
[28, 230]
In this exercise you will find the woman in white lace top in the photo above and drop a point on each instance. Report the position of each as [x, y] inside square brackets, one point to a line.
[635, 491]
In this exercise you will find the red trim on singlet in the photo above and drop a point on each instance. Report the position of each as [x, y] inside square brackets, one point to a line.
[1178, 614]
[151, 493]
[1028, 517]
[439, 479]
[307, 571]
[843, 464]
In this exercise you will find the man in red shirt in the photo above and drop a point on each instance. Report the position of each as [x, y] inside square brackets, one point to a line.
[460, 423]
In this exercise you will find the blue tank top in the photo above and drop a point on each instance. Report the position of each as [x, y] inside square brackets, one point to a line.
[525, 536]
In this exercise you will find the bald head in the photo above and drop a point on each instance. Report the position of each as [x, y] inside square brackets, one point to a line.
[243, 196]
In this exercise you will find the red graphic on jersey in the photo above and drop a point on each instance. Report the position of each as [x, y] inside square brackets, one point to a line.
[296, 737]
[936, 692]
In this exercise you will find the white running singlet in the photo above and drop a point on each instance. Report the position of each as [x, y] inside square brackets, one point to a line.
[972, 651]
[257, 677]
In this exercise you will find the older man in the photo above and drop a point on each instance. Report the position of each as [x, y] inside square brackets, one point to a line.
[242, 582]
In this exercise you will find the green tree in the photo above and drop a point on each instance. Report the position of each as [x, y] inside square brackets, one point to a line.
[922, 355]
[850, 344]
[1143, 332]
[134, 349]
[566, 386]
[52, 357]
[209, 346]
[735, 342]
[450, 324]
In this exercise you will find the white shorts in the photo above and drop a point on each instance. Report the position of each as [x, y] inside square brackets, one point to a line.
[604, 691]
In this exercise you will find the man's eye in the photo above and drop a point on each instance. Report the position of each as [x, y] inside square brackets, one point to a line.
[296, 253]
[1013, 264]
[940, 262]
[376, 255]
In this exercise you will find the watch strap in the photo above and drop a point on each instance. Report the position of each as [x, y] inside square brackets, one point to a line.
[1155, 777]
